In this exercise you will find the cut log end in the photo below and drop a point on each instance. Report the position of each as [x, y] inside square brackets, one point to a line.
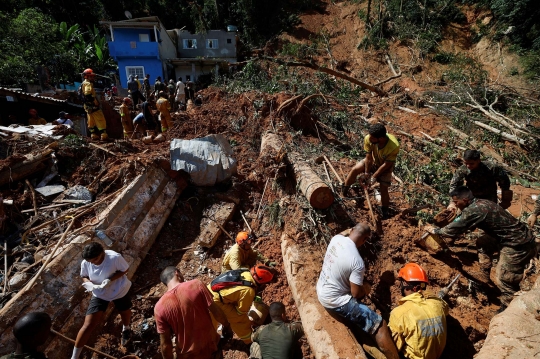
[321, 197]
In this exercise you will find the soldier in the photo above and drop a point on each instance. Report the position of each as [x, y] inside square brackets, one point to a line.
[514, 239]
[482, 179]
[536, 212]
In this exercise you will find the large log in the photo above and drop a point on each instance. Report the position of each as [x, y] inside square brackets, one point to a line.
[315, 189]
[271, 145]
[21, 170]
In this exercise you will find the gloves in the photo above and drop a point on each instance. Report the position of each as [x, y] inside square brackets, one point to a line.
[506, 198]
[452, 206]
[431, 229]
[227, 333]
[531, 220]
[89, 286]
[105, 283]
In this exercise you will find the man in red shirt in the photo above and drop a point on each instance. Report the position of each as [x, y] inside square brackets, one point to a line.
[184, 310]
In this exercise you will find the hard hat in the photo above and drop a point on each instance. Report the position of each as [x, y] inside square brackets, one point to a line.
[171, 81]
[127, 100]
[262, 274]
[88, 72]
[412, 272]
[32, 111]
[242, 237]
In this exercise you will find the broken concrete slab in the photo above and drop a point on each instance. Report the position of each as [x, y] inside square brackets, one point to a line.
[208, 160]
[48, 191]
[133, 220]
[221, 213]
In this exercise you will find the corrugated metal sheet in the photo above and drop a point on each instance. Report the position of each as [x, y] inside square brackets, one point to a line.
[28, 96]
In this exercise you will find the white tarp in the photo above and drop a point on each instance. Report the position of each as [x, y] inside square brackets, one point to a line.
[209, 160]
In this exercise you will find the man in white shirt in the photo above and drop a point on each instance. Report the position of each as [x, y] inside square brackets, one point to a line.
[104, 274]
[63, 120]
[341, 286]
[180, 93]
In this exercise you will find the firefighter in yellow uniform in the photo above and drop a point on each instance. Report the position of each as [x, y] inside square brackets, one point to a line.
[418, 324]
[125, 117]
[35, 119]
[241, 255]
[96, 119]
[236, 301]
[164, 108]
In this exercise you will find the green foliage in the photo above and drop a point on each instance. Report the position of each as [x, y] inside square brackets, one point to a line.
[73, 142]
[275, 214]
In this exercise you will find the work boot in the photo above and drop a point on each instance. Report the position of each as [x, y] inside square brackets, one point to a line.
[104, 136]
[385, 212]
[149, 137]
[126, 337]
[94, 136]
[345, 190]
[159, 138]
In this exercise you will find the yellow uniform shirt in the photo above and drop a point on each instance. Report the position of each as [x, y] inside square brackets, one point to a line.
[163, 106]
[241, 296]
[236, 258]
[36, 121]
[388, 153]
[88, 88]
[418, 326]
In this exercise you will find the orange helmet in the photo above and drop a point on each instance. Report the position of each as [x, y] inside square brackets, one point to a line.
[88, 72]
[412, 272]
[262, 274]
[242, 237]
[127, 100]
[32, 111]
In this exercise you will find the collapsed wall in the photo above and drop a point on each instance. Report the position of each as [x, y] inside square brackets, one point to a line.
[132, 221]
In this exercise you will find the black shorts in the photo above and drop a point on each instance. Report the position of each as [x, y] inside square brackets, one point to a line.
[100, 305]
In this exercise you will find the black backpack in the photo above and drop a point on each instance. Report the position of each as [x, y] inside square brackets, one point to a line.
[230, 279]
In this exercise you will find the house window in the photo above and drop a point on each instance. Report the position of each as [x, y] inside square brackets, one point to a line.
[211, 44]
[135, 70]
[190, 44]
[144, 38]
[229, 41]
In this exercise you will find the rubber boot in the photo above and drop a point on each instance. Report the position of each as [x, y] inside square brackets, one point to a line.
[94, 136]
[104, 136]
[159, 138]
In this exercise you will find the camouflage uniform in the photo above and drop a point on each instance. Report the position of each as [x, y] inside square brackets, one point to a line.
[537, 206]
[514, 239]
[482, 181]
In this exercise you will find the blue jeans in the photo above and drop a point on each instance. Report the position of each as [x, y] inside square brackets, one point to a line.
[359, 315]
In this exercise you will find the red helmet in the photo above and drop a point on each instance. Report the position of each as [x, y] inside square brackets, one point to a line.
[262, 274]
[127, 100]
[32, 111]
[88, 72]
[412, 272]
[242, 237]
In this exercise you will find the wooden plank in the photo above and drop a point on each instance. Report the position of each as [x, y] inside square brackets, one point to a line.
[221, 213]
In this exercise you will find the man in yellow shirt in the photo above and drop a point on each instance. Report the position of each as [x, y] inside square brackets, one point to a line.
[235, 301]
[125, 117]
[35, 119]
[381, 153]
[418, 325]
[241, 255]
[164, 108]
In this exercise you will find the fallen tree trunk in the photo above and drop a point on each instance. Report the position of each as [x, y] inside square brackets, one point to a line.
[327, 337]
[21, 170]
[515, 333]
[316, 190]
[316, 67]
[505, 135]
[271, 145]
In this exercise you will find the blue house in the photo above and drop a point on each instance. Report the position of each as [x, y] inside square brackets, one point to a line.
[141, 46]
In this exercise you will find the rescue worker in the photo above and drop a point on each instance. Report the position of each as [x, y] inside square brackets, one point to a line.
[236, 301]
[149, 120]
[482, 177]
[125, 117]
[514, 240]
[164, 107]
[278, 339]
[180, 93]
[35, 119]
[158, 86]
[31, 331]
[133, 87]
[138, 82]
[241, 255]
[381, 153]
[536, 212]
[170, 89]
[96, 119]
[418, 324]
[184, 311]
[146, 86]
[341, 286]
